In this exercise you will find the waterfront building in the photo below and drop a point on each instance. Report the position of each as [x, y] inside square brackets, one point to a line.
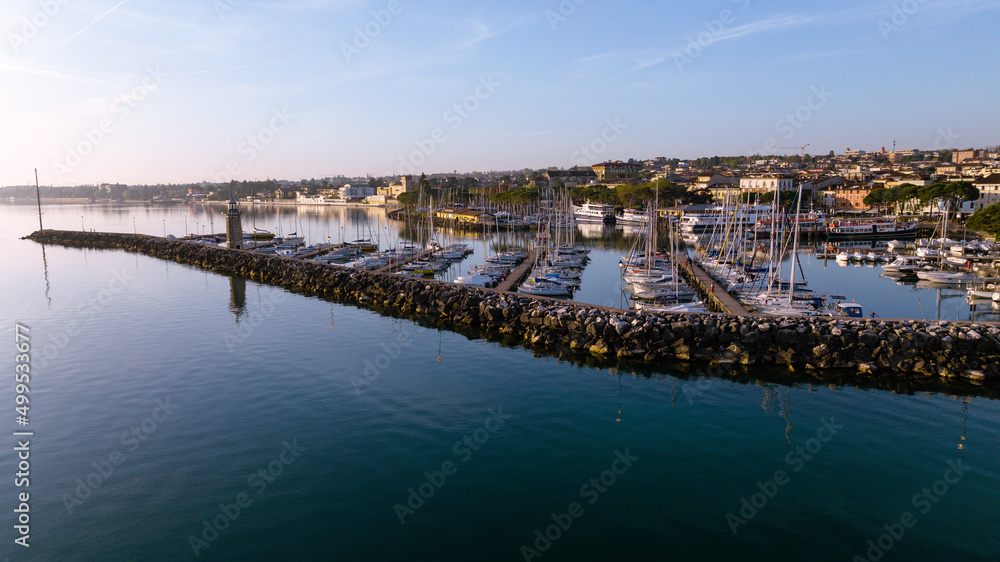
[467, 216]
[850, 198]
[356, 190]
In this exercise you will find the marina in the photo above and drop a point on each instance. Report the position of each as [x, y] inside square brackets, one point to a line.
[336, 380]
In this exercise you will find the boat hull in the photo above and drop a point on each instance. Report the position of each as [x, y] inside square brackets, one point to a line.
[908, 233]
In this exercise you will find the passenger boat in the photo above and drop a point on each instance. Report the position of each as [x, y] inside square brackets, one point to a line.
[595, 212]
[718, 217]
[870, 229]
[632, 216]
[812, 223]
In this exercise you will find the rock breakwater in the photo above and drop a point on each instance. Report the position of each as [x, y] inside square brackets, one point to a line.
[913, 348]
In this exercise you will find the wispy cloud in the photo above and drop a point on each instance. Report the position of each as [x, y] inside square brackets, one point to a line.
[94, 21]
[771, 24]
[482, 32]
[52, 74]
[227, 68]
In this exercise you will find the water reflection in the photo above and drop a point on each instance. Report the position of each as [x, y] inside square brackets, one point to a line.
[45, 273]
[238, 296]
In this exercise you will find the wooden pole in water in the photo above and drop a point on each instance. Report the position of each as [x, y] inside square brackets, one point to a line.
[38, 197]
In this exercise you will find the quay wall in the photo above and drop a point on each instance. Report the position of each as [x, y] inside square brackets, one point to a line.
[906, 349]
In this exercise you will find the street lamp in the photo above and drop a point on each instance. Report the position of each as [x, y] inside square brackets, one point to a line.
[164, 228]
[133, 227]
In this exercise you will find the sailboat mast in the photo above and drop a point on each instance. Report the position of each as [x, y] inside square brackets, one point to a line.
[795, 244]
[38, 197]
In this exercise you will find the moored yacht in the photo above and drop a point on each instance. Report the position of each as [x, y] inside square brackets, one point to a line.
[594, 212]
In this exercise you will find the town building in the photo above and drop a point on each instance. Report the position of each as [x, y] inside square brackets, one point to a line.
[356, 190]
[846, 199]
[571, 178]
[762, 183]
[615, 170]
[989, 191]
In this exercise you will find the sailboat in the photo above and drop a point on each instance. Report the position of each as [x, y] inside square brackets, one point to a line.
[939, 274]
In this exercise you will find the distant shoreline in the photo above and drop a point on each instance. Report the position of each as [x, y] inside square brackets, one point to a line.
[87, 201]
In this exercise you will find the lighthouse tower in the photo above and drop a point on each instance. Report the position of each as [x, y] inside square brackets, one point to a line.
[234, 229]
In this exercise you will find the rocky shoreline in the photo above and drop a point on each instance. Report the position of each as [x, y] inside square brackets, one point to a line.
[947, 351]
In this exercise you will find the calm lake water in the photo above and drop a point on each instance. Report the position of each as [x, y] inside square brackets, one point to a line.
[179, 415]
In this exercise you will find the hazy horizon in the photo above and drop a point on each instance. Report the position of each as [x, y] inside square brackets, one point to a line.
[153, 92]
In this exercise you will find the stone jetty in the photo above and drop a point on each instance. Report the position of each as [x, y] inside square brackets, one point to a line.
[913, 349]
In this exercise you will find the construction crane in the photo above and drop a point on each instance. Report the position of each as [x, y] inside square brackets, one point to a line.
[802, 148]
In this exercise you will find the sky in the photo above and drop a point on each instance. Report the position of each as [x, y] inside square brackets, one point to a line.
[176, 91]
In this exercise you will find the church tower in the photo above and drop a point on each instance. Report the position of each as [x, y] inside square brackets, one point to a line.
[234, 229]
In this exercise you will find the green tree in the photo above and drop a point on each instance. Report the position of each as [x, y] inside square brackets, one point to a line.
[950, 193]
[877, 198]
[986, 220]
[408, 198]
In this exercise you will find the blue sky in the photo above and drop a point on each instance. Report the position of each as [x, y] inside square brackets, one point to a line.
[150, 91]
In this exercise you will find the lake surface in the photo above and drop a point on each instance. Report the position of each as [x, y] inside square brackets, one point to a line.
[299, 429]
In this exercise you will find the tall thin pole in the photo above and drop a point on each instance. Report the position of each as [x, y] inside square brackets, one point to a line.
[38, 197]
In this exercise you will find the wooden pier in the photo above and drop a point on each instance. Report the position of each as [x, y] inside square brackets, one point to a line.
[716, 296]
[514, 279]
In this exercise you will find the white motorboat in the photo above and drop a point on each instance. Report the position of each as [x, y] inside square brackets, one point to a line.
[476, 280]
[542, 287]
[902, 264]
[939, 276]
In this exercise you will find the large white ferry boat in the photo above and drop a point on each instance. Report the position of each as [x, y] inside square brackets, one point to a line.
[870, 229]
[718, 217]
[812, 223]
[594, 212]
